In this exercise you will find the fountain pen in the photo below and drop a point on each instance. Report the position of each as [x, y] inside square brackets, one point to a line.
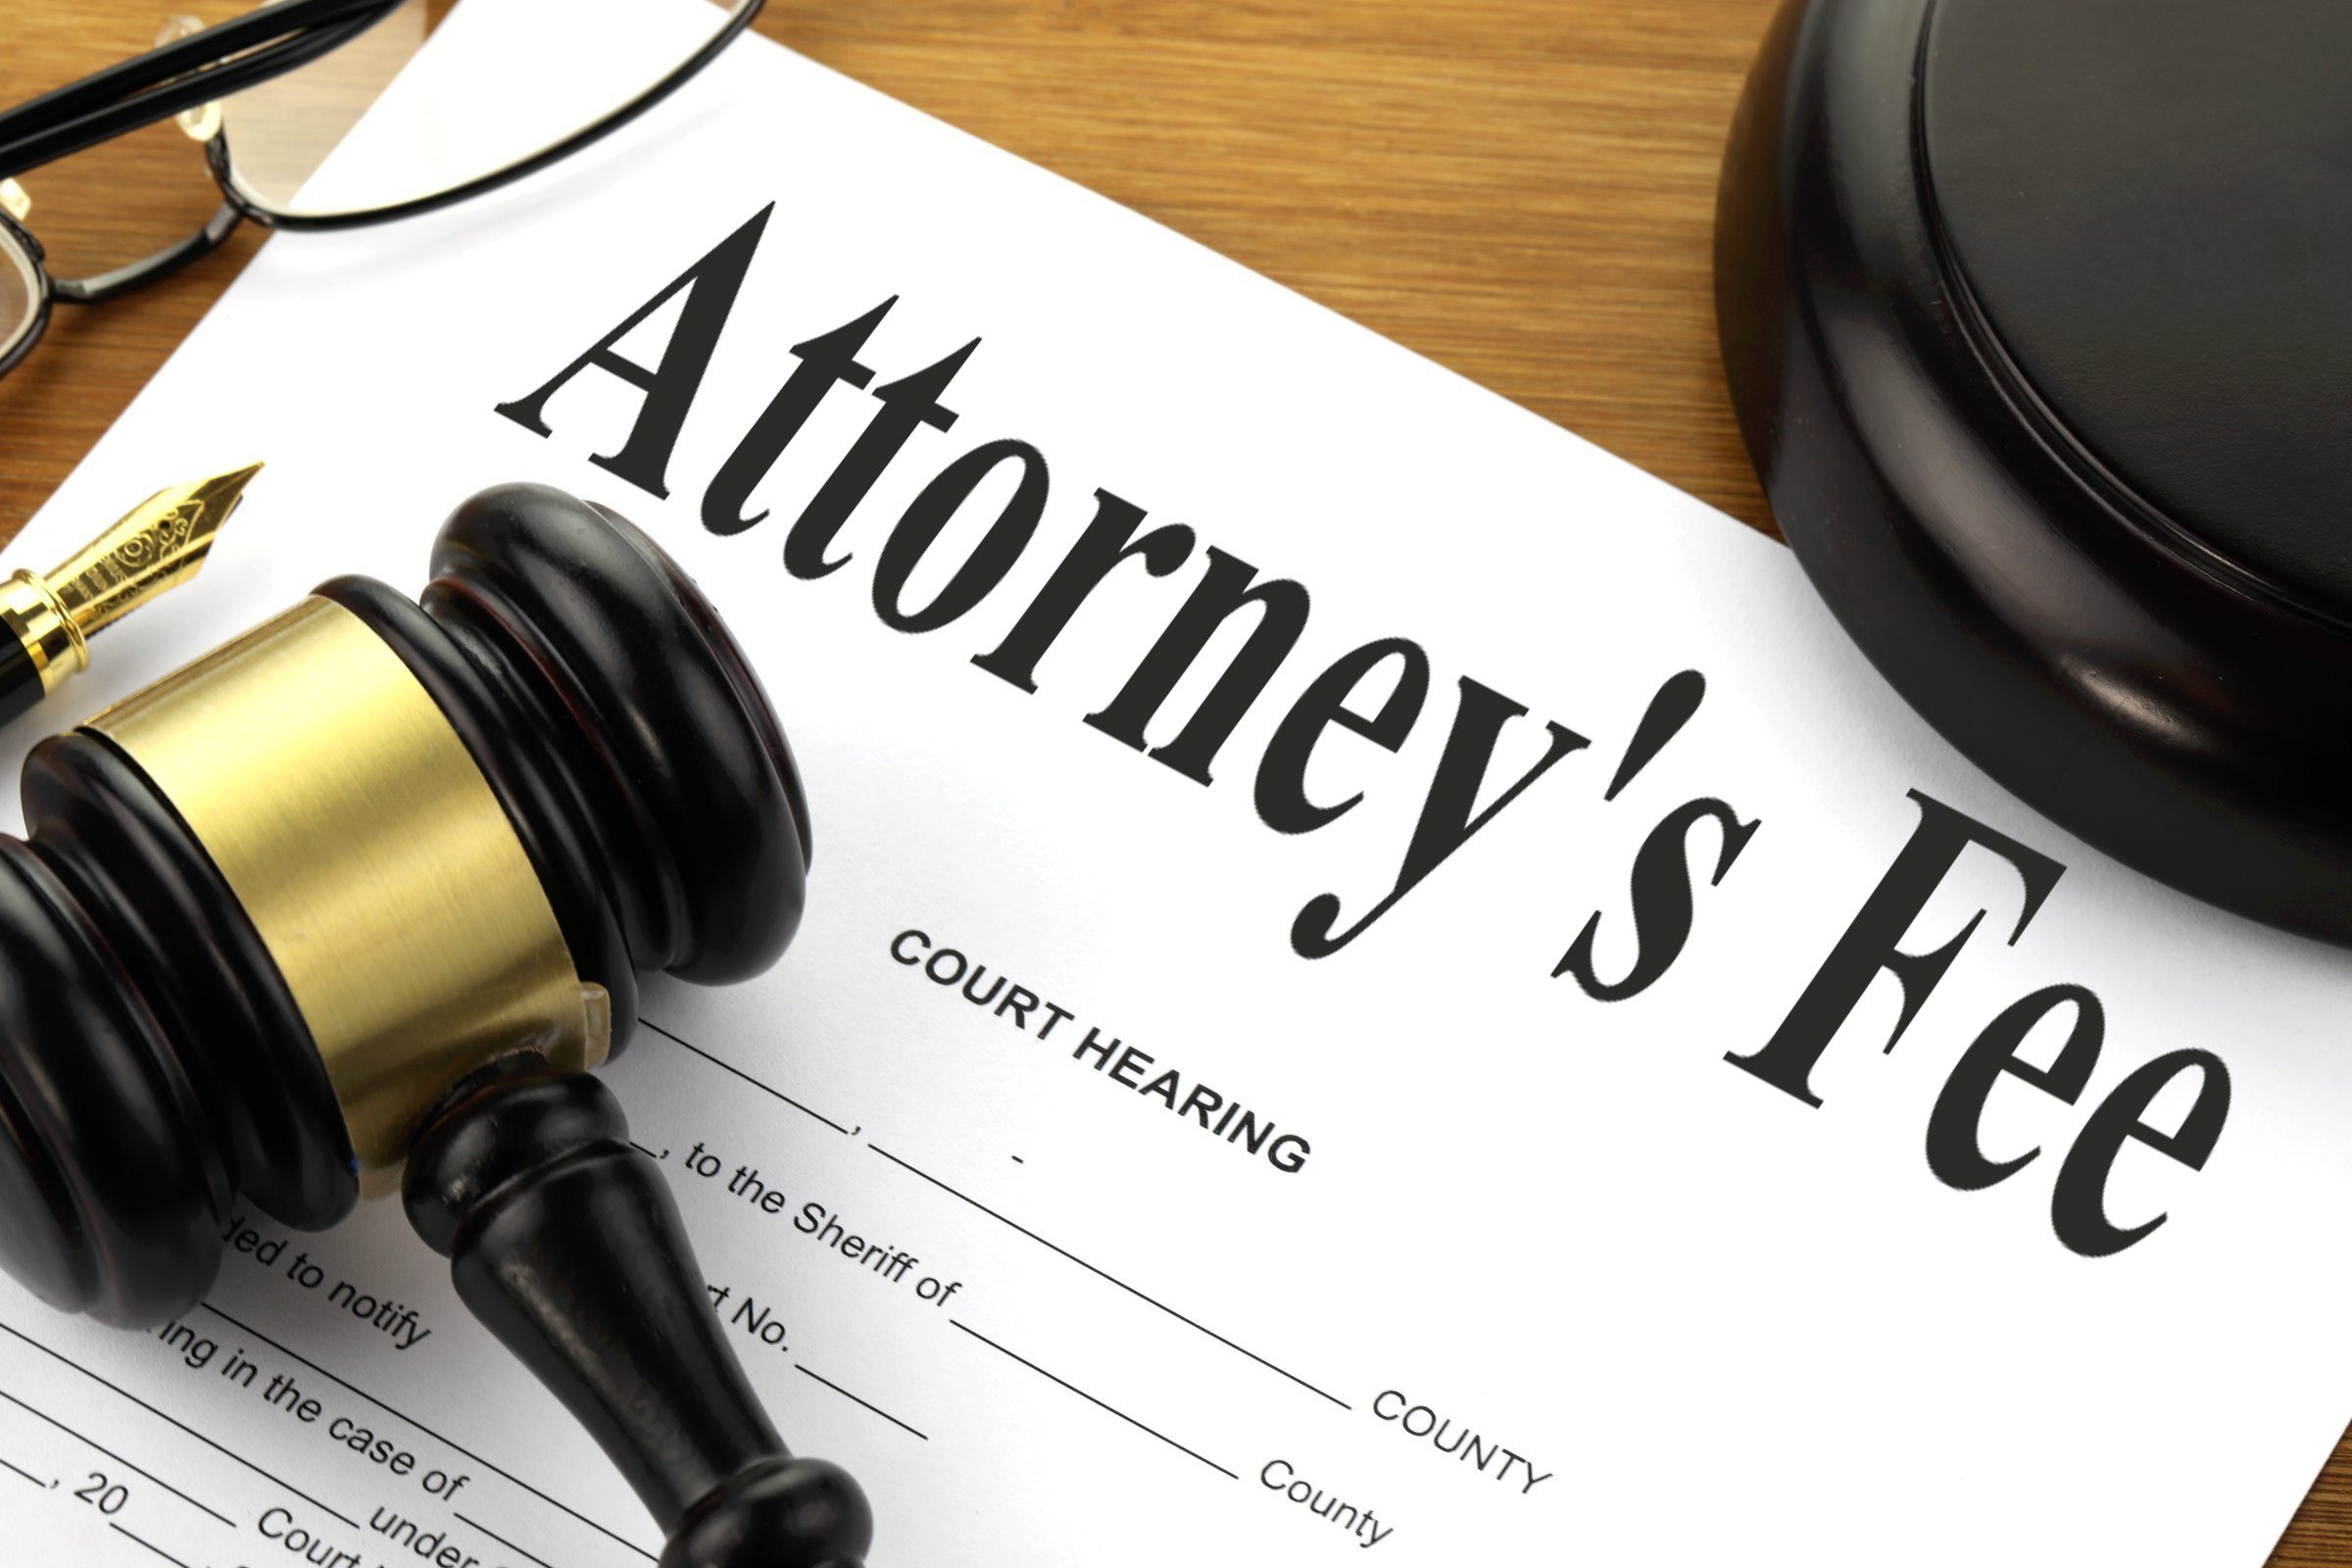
[49, 618]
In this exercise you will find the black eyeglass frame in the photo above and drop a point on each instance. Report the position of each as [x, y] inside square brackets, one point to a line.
[214, 64]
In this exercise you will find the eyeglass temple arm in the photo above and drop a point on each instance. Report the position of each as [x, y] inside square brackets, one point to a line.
[181, 74]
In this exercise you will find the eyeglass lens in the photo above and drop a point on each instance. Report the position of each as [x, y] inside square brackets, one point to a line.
[130, 196]
[20, 292]
[440, 93]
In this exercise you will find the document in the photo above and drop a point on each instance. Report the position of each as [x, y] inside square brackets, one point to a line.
[1379, 985]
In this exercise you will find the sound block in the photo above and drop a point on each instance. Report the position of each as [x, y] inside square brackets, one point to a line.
[2038, 320]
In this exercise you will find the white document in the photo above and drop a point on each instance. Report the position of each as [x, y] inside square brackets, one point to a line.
[1484, 1270]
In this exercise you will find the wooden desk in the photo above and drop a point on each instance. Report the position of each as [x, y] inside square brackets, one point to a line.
[1521, 190]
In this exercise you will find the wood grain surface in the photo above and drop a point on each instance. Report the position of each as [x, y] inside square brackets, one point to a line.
[1521, 190]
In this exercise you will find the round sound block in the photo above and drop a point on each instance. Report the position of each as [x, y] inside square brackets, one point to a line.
[2038, 321]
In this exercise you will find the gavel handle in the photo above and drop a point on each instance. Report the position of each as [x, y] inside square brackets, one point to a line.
[565, 1240]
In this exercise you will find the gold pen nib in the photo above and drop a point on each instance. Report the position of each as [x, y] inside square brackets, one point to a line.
[155, 545]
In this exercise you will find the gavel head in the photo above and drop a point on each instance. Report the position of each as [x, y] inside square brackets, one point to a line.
[269, 910]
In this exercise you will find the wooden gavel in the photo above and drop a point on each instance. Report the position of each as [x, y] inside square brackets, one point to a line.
[356, 901]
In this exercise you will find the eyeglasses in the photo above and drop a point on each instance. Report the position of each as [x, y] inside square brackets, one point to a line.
[333, 114]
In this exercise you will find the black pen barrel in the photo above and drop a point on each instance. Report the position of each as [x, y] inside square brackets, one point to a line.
[20, 669]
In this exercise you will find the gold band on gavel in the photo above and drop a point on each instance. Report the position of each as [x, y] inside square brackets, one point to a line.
[383, 876]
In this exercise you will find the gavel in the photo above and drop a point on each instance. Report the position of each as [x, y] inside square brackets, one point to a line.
[353, 904]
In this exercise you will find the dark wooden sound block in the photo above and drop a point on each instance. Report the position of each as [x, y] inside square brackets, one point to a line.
[2037, 315]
